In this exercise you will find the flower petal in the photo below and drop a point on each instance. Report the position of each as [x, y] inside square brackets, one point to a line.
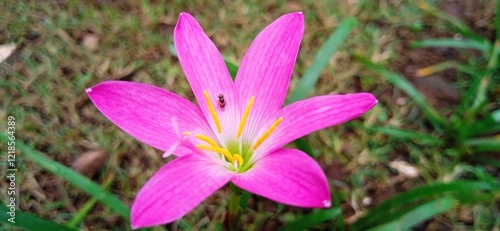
[205, 70]
[287, 176]
[145, 112]
[267, 67]
[176, 189]
[306, 116]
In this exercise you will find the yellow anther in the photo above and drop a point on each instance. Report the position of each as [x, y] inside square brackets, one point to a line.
[187, 133]
[207, 139]
[225, 152]
[238, 158]
[212, 111]
[245, 116]
[267, 133]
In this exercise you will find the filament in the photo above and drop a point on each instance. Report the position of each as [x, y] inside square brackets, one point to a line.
[212, 111]
[245, 116]
[267, 133]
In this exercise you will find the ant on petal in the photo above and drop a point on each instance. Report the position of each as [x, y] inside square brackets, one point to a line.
[222, 102]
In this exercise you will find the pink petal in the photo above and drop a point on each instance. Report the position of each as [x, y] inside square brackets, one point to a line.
[306, 116]
[176, 189]
[267, 67]
[205, 69]
[287, 176]
[145, 112]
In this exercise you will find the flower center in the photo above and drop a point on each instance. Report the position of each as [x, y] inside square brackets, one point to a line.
[238, 152]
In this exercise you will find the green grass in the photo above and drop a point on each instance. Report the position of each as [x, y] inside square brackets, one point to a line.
[43, 85]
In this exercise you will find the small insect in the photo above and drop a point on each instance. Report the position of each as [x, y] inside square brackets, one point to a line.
[222, 102]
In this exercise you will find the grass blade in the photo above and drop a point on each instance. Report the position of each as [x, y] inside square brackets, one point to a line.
[394, 207]
[31, 222]
[73, 177]
[477, 95]
[481, 96]
[87, 207]
[469, 96]
[319, 63]
[312, 219]
[232, 68]
[407, 135]
[432, 190]
[452, 43]
[455, 22]
[245, 197]
[403, 84]
[418, 215]
[426, 71]
[484, 144]
[303, 145]
[490, 124]
[497, 23]
[82, 213]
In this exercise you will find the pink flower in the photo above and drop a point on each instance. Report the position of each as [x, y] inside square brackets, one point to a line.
[237, 132]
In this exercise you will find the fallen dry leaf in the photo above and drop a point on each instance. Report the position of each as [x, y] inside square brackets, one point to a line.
[6, 50]
[90, 162]
[91, 41]
[404, 168]
[32, 185]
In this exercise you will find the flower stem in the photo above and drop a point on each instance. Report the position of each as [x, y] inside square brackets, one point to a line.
[234, 213]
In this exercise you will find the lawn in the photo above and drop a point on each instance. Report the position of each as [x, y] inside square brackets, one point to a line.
[426, 157]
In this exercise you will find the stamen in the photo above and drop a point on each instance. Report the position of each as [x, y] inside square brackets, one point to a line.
[218, 150]
[267, 133]
[207, 139]
[238, 158]
[245, 116]
[212, 111]
[187, 133]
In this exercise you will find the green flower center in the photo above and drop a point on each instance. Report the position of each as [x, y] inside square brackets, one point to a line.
[237, 153]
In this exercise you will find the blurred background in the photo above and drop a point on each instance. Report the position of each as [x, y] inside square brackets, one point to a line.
[427, 157]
